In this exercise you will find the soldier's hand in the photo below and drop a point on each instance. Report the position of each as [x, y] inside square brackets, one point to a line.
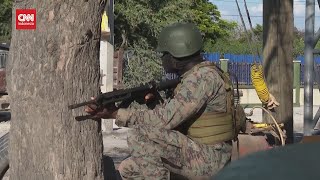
[102, 112]
[272, 102]
[149, 97]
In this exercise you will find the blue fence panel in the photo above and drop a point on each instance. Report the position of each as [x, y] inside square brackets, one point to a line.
[240, 65]
[301, 74]
[317, 64]
[316, 59]
[317, 70]
[242, 71]
[242, 58]
[212, 57]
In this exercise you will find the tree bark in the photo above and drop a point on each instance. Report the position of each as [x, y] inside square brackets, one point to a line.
[48, 69]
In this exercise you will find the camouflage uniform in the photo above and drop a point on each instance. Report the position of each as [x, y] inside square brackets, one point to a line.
[157, 141]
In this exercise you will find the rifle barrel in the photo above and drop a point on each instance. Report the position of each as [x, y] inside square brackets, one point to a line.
[120, 95]
[74, 106]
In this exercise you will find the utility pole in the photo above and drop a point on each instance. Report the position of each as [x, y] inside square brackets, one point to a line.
[311, 39]
[278, 59]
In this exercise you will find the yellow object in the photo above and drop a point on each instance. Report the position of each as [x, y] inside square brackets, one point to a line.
[259, 83]
[260, 125]
[104, 22]
[263, 125]
[274, 121]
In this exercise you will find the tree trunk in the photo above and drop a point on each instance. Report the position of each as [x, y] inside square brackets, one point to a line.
[48, 69]
[278, 59]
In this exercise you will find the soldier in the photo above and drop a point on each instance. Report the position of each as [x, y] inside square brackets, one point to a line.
[191, 134]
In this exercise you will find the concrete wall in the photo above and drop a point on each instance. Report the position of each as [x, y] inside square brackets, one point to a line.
[316, 96]
[250, 96]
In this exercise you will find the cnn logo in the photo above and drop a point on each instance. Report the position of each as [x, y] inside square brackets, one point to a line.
[26, 19]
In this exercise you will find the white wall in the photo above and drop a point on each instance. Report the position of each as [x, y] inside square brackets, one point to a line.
[250, 96]
[106, 66]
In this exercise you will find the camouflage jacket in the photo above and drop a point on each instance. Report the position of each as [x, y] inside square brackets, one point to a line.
[200, 88]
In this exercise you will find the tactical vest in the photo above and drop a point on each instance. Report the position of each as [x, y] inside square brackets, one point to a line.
[213, 127]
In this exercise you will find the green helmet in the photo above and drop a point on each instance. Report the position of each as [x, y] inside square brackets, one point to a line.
[180, 40]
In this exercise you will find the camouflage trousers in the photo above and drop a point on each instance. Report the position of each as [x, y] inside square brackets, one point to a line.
[157, 152]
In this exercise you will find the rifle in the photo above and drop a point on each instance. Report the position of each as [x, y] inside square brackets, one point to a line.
[129, 95]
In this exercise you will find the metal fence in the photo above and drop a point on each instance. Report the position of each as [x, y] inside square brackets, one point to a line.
[317, 71]
[240, 65]
[246, 57]
[242, 71]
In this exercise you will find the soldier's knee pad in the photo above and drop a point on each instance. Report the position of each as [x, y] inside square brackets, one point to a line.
[121, 166]
[125, 166]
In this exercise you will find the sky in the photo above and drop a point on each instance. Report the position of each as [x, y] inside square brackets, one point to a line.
[229, 11]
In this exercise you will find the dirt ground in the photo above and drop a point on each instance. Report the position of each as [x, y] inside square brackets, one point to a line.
[4, 128]
[115, 143]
